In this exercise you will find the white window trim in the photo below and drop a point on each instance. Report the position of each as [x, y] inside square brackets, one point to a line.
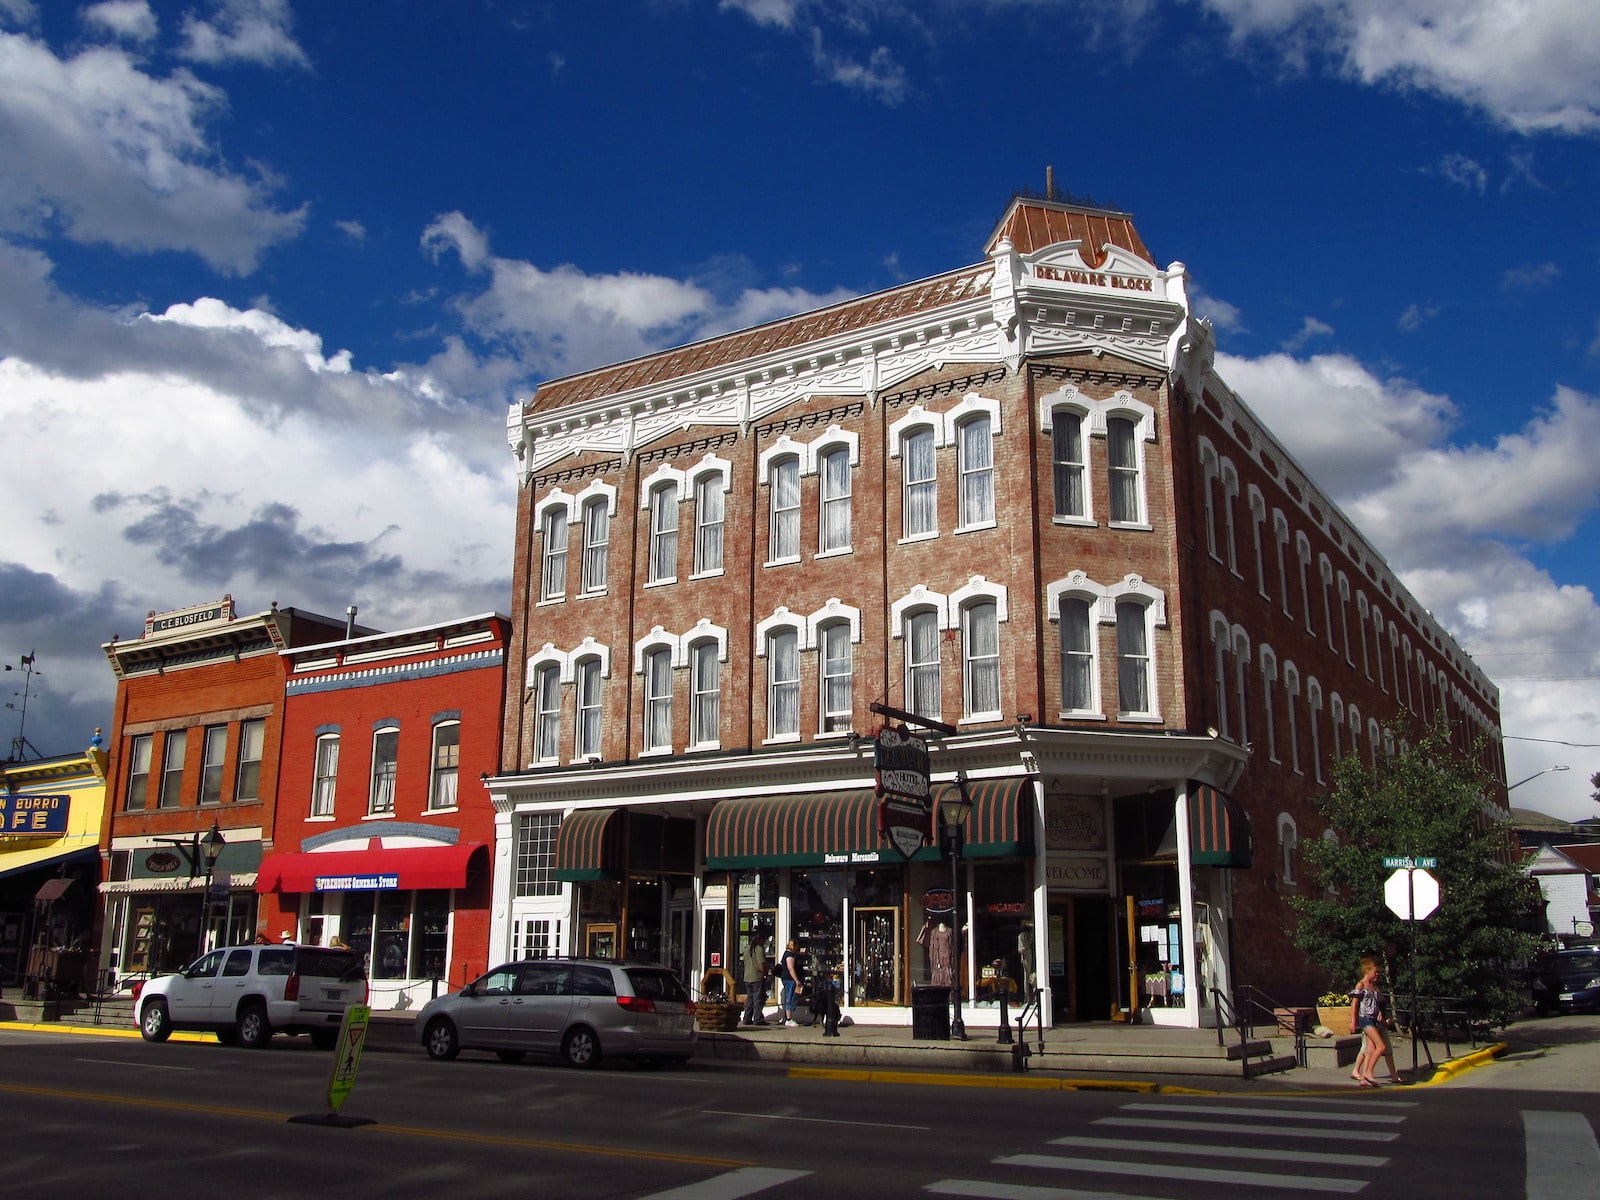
[918, 598]
[716, 467]
[1070, 399]
[1079, 586]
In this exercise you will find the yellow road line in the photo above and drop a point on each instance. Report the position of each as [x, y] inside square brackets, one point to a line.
[481, 1139]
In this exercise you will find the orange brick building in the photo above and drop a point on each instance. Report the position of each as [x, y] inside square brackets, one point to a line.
[193, 747]
[1014, 506]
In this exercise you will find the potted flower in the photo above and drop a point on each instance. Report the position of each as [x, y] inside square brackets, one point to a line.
[1333, 1010]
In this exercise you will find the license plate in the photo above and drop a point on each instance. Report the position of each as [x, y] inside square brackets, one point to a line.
[331, 993]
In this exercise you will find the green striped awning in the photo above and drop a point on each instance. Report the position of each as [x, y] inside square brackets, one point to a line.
[841, 828]
[589, 845]
[1219, 830]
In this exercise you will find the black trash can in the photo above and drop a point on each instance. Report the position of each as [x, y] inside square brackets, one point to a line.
[930, 1014]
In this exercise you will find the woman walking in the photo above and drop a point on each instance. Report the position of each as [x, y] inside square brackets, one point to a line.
[1369, 1017]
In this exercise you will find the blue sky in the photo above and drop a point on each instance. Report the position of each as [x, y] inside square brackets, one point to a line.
[270, 273]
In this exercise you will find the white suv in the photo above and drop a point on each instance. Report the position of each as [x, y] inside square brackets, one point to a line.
[245, 994]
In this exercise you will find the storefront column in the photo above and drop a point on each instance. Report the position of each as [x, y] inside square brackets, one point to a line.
[1186, 963]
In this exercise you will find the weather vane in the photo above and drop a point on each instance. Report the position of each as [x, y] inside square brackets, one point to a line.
[20, 744]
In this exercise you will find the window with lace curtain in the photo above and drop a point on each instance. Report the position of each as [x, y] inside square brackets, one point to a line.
[980, 652]
[705, 700]
[588, 677]
[1077, 656]
[784, 489]
[442, 788]
[658, 700]
[834, 531]
[783, 683]
[975, 462]
[325, 776]
[596, 545]
[1133, 659]
[922, 663]
[1066, 451]
[833, 644]
[547, 714]
[553, 570]
[921, 503]
[385, 760]
[1122, 460]
[708, 509]
[664, 533]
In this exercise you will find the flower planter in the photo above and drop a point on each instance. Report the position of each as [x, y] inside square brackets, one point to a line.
[1336, 1019]
[714, 1016]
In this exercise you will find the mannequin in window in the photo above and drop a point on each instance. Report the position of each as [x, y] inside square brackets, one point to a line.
[1030, 974]
[941, 950]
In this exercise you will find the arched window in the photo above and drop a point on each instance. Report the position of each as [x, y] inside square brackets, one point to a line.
[710, 489]
[1288, 843]
[920, 504]
[553, 561]
[325, 776]
[833, 465]
[705, 695]
[922, 663]
[1269, 675]
[1291, 695]
[1135, 690]
[547, 714]
[783, 682]
[1080, 692]
[663, 533]
[1066, 451]
[838, 668]
[1258, 518]
[783, 540]
[980, 666]
[1122, 464]
[596, 543]
[589, 673]
[385, 760]
[1313, 709]
[975, 463]
[658, 700]
[442, 783]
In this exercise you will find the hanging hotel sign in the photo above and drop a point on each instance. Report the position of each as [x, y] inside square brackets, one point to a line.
[904, 770]
[34, 816]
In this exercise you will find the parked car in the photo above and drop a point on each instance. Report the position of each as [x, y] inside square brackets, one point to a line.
[1576, 975]
[245, 994]
[581, 1009]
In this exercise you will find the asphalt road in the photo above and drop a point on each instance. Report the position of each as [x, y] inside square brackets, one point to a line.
[115, 1117]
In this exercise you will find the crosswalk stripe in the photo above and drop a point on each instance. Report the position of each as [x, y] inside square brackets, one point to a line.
[1563, 1156]
[1329, 1135]
[988, 1190]
[1275, 1114]
[1207, 1150]
[746, 1181]
[1187, 1173]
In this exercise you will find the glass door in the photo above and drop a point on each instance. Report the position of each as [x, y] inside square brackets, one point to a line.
[874, 957]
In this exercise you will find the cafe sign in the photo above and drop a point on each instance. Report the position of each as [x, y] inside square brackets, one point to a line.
[34, 816]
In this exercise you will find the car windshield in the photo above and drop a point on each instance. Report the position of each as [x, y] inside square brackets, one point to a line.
[1587, 963]
[652, 983]
[330, 964]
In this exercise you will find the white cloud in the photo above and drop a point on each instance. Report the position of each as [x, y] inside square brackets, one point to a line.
[563, 319]
[1453, 522]
[873, 71]
[131, 20]
[1415, 316]
[354, 230]
[1530, 278]
[1310, 328]
[98, 150]
[1531, 64]
[1464, 172]
[252, 31]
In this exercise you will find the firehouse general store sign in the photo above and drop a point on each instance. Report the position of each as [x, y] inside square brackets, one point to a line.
[357, 883]
[34, 816]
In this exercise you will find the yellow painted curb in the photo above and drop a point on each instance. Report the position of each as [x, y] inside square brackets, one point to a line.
[97, 1031]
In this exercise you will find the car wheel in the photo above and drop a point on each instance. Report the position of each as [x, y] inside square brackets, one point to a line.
[324, 1039]
[581, 1048]
[253, 1029]
[154, 1024]
[676, 1060]
[228, 1037]
[510, 1056]
[441, 1040]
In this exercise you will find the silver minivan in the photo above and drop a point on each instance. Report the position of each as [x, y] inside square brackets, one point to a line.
[579, 1009]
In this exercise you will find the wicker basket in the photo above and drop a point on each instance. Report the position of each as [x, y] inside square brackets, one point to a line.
[717, 1016]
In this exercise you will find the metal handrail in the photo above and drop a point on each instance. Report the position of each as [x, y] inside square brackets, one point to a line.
[1249, 1006]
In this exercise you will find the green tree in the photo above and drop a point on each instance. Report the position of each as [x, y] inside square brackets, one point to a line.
[1425, 801]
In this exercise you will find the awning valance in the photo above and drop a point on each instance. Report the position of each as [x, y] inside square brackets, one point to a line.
[1219, 830]
[589, 845]
[237, 881]
[402, 868]
[841, 828]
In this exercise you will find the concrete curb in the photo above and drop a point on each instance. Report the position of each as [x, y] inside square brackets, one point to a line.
[99, 1031]
[1445, 1071]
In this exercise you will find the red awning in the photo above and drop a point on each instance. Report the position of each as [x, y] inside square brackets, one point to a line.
[405, 869]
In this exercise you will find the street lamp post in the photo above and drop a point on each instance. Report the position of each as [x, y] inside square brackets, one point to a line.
[197, 849]
[954, 809]
[1536, 774]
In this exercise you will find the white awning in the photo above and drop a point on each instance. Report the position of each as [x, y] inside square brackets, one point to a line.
[238, 881]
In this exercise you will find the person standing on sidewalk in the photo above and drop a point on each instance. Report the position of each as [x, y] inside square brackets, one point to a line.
[789, 972]
[1369, 1017]
[755, 981]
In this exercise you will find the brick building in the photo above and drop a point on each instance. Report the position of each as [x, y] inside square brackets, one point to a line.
[194, 749]
[1014, 501]
[383, 830]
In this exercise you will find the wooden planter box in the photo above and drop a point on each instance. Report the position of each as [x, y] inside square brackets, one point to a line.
[1336, 1019]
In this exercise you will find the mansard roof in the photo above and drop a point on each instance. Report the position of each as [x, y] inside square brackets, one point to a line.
[1032, 224]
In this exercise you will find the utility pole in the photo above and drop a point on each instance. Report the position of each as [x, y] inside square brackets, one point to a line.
[20, 744]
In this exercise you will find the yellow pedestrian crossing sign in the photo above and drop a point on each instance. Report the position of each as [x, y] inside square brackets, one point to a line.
[347, 1054]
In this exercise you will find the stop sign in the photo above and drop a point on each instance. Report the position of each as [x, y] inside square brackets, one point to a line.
[1411, 899]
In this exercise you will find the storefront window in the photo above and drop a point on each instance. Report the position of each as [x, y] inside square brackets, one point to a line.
[816, 915]
[1002, 914]
[876, 966]
[1157, 932]
[401, 933]
[757, 899]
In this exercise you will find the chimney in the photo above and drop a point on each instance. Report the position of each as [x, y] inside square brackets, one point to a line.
[350, 621]
[1049, 183]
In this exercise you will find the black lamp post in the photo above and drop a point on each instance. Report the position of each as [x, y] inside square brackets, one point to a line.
[955, 806]
[211, 845]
